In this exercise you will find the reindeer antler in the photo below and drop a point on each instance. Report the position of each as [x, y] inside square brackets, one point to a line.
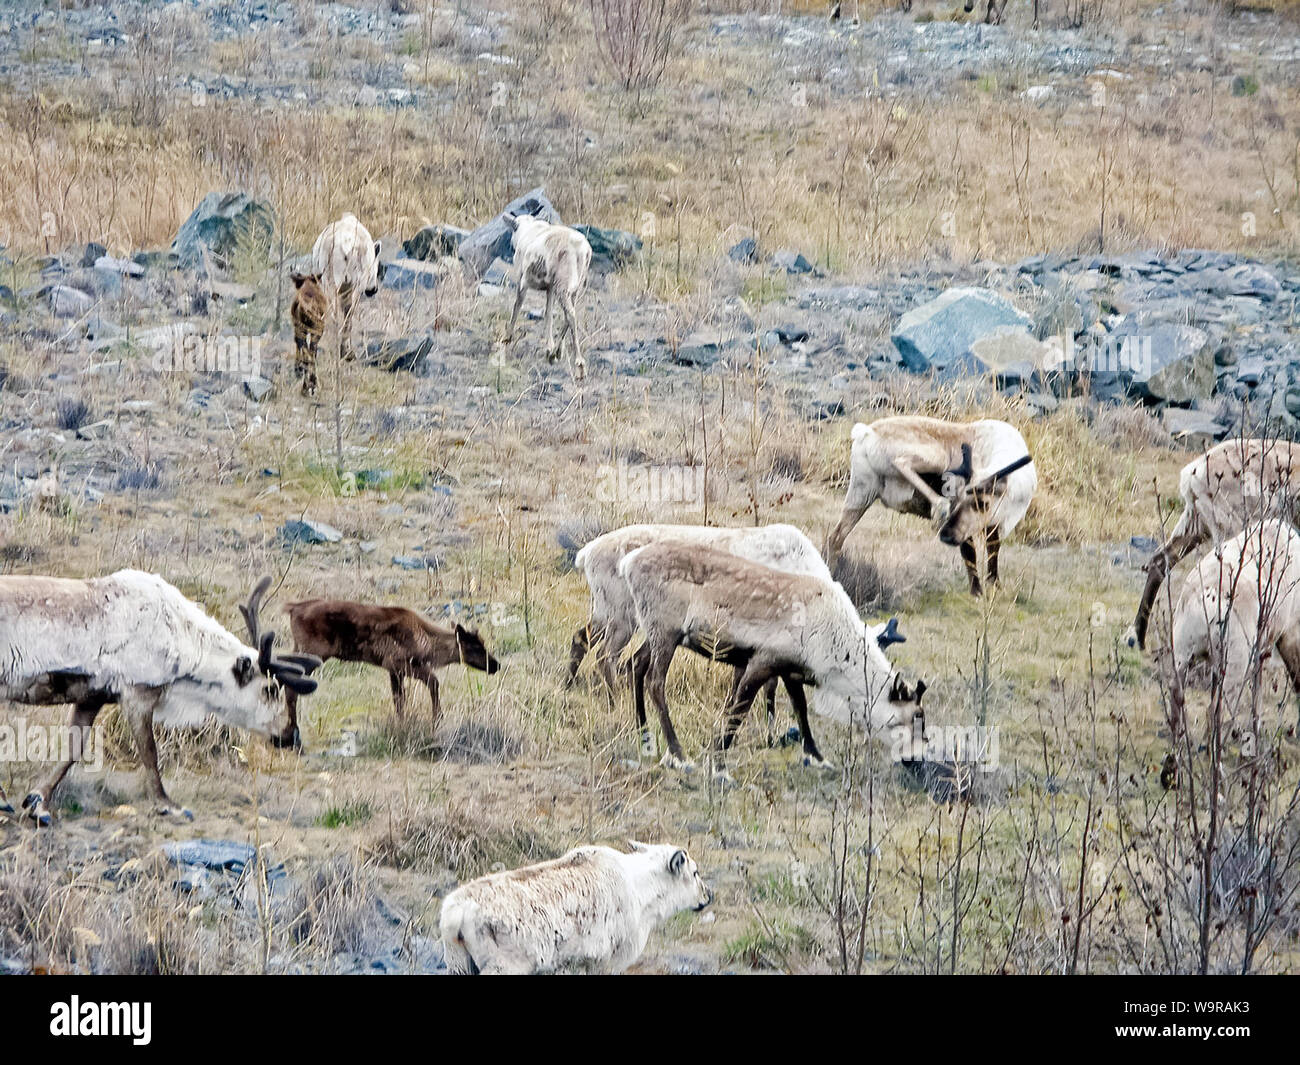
[290, 670]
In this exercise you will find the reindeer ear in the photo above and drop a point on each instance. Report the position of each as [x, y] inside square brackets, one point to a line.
[297, 279]
[677, 862]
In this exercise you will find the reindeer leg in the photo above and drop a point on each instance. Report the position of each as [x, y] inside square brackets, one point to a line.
[812, 757]
[395, 681]
[551, 352]
[582, 640]
[6, 807]
[36, 804]
[435, 704]
[138, 707]
[940, 507]
[1168, 555]
[969, 557]
[640, 666]
[994, 544]
[349, 300]
[769, 697]
[848, 519]
[514, 315]
[570, 329]
[660, 660]
[746, 688]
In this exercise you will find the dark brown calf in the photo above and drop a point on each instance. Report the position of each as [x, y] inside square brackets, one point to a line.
[401, 641]
[308, 315]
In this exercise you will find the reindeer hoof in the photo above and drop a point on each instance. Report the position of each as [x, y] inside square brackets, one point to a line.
[648, 748]
[811, 761]
[1130, 637]
[34, 804]
[671, 761]
[722, 778]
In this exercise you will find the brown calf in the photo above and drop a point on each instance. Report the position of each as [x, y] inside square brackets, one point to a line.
[308, 315]
[401, 641]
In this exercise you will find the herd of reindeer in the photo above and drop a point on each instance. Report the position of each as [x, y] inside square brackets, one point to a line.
[761, 600]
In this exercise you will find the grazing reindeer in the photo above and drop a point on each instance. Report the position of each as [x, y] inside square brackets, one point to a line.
[401, 641]
[133, 639]
[1240, 603]
[926, 467]
[1231, 485]
[553, 259]
[769, 623]
[613, 614]
[345, 261]
[308, 314]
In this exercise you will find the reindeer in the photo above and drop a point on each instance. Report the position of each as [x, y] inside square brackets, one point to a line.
[132, 639]
[1240, 603]
[308, 315]
[555, 260]
[1231, 485]
[404, 643]
[927, 467]
[612, 623]
[345, 261]
[767, 623]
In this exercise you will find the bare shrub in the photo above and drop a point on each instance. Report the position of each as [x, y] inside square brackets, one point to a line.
[635, 38]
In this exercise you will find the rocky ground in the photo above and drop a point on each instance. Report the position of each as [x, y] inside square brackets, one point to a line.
[149, 416]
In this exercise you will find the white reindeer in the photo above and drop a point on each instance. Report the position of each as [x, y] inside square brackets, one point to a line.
[1231, 485]
[973, 479]
[593, 909]
[555, 260]
[1238, 605]
[345, 261]
[133, 639]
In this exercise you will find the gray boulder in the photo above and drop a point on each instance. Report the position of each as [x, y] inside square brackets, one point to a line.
[1163, 363]
[218, 225]
[434, 242]
[494, 239]
[399, 353]
[792, 262]
[610, 248]
[309, 532]
[938, 335]
[744, 251]
[1195, 429]
[405, 275]
[68, 302]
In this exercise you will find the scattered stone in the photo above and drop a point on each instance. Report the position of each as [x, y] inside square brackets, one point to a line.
[67, 302]
[405, 275]
[399, 353]
[218, 225]
[744, 252]
[417, 562]
[938, 335]
[309, 532]
[231, 293]
[792, 262]
[611, 249]
[434, 242]
[256, 388]
[1166, 363]
[126, 267]
[1195, 429]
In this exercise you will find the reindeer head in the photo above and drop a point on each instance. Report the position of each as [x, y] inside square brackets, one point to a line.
[268, 680]
[472, 651]
[970, 498]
